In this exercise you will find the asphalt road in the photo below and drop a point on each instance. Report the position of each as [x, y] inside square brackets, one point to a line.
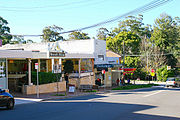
[145, 104]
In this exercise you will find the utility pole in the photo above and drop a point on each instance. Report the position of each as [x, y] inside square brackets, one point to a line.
[123, 59]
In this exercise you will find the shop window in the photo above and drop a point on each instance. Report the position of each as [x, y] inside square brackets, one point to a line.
[101, 57]
[17, 66]
[43, 65]
[86, 65]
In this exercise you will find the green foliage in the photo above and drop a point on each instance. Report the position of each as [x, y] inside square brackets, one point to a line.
[52, 34]
[76, 35]
[165, 36]
[102, 33]
[133, 24]
[45, 77]
[68, 66]
[163, 73]
[4, 31]
[128, 87]
[131, 42]
[135, 62]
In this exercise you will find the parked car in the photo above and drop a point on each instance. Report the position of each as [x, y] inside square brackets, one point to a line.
[6, 99]
[173, 82]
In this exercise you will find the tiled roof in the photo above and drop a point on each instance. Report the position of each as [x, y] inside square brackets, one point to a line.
[110, 53]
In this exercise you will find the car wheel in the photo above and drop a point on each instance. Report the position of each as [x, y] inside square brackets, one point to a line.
[10, 104]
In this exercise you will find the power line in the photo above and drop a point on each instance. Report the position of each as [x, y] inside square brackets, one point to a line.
[60, 6]
[49, 6]
[144, 8]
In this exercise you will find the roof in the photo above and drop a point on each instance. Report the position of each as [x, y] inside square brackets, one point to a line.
[110, 53]
[15, 54]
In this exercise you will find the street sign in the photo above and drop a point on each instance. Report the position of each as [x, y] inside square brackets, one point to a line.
[168, 67]
[152, 70]
[103, 71]
[152, 74]
[36, 66]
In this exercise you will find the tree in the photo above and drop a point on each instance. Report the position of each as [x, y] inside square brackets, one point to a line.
[133, 24]
[76, 35]
[163, 73]
[52, 34]
[131, 42]
[30, 41]
[102, 33]
[68, 66]
[18, 40]
[165, 36]
[4, 31]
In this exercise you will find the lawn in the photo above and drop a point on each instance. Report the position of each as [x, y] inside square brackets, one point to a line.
[128, 87]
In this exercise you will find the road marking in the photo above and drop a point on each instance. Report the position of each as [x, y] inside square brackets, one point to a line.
[153, 93]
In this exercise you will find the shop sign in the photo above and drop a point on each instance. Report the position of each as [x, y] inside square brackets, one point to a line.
[117, 65]
[103, 66]
[56, 54]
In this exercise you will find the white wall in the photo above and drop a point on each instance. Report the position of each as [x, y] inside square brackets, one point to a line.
[100, 49]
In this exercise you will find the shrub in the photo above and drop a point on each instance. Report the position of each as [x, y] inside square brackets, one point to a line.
[163, 73]
[45, 77]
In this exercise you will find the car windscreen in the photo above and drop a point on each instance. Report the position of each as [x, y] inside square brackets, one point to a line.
[170, 79]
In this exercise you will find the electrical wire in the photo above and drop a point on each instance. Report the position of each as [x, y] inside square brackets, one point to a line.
[54, 7]
[144, 8]
[49, 6]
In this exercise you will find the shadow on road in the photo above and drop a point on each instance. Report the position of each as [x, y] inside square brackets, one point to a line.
[60, 110]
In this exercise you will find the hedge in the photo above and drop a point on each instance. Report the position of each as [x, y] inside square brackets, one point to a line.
[45, 77]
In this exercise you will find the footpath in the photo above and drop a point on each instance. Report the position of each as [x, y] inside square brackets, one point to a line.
[25, 99]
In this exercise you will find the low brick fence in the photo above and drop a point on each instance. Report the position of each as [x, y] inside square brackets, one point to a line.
[45, 88]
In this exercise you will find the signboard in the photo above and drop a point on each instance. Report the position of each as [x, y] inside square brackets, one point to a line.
[152, 70]
[152, 74]
[3, 78]
[168, 67]
[56, 68]
[56, 54]
[103, 66]
[103, 71]
[36, 66]
[128, 69]
[71, 88]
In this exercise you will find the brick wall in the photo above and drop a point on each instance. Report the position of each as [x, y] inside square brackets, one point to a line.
[45, 88]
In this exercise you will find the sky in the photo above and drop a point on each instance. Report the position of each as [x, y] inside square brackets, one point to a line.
[29, 17]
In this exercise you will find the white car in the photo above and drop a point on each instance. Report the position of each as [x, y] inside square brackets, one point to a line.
[173, 82]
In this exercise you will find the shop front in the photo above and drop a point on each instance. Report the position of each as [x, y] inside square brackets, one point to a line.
[13, 68]
[17, 74]
[82, 73]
